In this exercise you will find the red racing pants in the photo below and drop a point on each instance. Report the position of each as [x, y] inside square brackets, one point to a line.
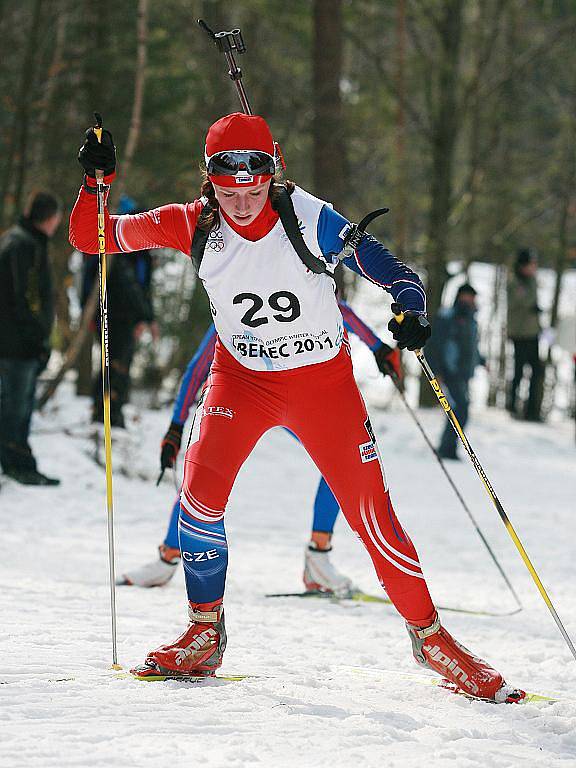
[322, 406]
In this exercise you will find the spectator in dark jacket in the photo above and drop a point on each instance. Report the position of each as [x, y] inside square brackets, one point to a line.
[453, 354]
[524, 330]
[26, 317]
[129, 310]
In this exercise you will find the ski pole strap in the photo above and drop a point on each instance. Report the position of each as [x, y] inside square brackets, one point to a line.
[200, 239]
[285, 207]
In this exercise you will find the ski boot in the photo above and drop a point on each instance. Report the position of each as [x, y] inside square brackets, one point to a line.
[154, 574]
[196, 653]
[320, 575]
[434, 648]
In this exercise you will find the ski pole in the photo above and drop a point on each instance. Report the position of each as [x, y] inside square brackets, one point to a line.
[106, 386]
[459, 496]
[443, 400]
[227, 43]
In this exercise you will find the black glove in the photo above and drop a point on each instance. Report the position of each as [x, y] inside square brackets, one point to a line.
[412, 333]
[170, 445]
[94, 154]
[388, 361]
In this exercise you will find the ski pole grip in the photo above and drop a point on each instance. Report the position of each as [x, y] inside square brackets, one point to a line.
[398, 313]
[98, 127]
[98, 133]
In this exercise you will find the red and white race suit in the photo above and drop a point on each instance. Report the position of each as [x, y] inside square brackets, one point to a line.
[281, 360]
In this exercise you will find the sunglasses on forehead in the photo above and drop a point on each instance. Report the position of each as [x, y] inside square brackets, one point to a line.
[229, 163]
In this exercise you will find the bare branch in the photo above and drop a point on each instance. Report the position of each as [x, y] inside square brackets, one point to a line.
[485, 53]
[528, 57]
[388, 81]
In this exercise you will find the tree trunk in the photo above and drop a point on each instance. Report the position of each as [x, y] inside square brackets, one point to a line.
[401, 208]
[327, 125]
[138, 100]
[568, 163]
[19, 138]
[54, 71]
[445, 126]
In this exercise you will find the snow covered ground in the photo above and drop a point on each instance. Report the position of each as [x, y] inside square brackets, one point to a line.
[301, 709]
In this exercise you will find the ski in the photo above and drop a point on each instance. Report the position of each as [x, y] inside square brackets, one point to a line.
[364, 597]
[115, 675]
[438, 682]
[338, 672]
[145, 673]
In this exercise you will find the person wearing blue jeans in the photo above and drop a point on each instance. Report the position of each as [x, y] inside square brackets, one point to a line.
[319, 572]
[17, 389]
[26, 317]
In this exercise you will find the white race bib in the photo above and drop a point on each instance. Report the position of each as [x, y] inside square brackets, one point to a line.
[270, 311]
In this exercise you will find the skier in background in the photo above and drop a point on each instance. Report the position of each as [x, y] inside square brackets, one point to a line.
[282, 359]
[319, 572]
[130, 310]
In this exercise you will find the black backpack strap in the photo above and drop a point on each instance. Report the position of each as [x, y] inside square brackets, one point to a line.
[285, 207]
[200, 239]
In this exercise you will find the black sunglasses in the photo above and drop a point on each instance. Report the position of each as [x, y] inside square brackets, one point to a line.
[242, 160]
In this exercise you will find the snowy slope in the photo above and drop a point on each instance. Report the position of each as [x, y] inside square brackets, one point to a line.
[54, 603]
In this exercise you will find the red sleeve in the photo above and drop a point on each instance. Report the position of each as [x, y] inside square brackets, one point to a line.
[170, 226]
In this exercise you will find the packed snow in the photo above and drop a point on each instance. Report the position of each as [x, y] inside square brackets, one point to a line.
[62, 705]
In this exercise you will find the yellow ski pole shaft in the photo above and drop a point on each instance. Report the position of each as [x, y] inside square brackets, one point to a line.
[102, 273]
[457, 492]
[443, 400]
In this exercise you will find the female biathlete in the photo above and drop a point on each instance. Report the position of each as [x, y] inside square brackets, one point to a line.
[320, 574]
[281, 359]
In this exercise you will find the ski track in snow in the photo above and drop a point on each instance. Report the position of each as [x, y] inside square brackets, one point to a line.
[54, 603]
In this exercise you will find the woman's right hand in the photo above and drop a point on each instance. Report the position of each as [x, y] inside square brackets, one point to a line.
[94, 154]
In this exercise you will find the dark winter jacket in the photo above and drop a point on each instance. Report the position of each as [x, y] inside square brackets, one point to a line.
[26, 299]
[523, 310]
[453, 347]
[128, 287]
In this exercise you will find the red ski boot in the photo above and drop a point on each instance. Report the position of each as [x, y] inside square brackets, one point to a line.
[436, 649]
[196, 653]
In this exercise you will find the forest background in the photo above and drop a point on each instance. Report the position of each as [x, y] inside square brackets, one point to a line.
[460, 115]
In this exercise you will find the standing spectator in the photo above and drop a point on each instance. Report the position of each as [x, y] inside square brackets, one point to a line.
[129, 310]
[26, 317]
[453, 354]
[523, 330]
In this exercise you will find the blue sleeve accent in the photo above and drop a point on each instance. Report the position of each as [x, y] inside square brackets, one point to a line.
[332, 229]
[372, 261]
[195, 374]
[358, 327]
